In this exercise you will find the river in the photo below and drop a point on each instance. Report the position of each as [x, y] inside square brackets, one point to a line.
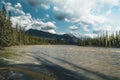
[68, 62]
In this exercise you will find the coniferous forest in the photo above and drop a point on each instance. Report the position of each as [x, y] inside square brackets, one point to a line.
[10, 36]
[104, 40]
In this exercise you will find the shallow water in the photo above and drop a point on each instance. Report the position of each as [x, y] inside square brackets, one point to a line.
[69, 62]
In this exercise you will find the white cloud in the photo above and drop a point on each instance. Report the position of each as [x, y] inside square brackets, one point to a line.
[27, 22]
[111, 2]
[73, 28]
[83, 35]
[81, 9]
[8, 6]
[48, 26]
[18, 6]
[103, 28]
[16, 9]
[24, 21]
[61, 33]
[90, 35]
[45, 6]
[44, 25]
[52, 31]
[67, 20]
[116, 28]
[81, 12]
[56, 8]
[86, 28]
[84, 13]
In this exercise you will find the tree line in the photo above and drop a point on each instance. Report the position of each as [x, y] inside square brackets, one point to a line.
[17, 36]
[105, 40]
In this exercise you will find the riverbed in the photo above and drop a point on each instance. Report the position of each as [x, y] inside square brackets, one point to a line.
[69, 62]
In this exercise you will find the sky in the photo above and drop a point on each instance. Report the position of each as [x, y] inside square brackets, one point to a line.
[78, 17]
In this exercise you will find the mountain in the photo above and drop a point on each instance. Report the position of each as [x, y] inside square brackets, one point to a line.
[69, 38]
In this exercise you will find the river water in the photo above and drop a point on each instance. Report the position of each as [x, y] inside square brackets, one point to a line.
[68, 62]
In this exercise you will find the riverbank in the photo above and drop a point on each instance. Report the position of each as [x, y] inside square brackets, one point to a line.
[8, 71]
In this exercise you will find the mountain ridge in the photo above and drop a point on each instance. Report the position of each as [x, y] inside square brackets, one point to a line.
[69, 38]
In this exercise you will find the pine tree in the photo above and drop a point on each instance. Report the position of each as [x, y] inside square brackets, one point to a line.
[5, 28]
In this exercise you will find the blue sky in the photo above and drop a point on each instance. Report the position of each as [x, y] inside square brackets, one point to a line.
[81, 18]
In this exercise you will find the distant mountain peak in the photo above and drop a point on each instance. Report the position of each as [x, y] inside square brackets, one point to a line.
[70, 38]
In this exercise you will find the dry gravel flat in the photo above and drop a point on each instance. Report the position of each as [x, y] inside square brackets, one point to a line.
[68, 62]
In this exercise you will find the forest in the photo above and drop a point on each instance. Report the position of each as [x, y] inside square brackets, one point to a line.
[10, 36]
[105, 40]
